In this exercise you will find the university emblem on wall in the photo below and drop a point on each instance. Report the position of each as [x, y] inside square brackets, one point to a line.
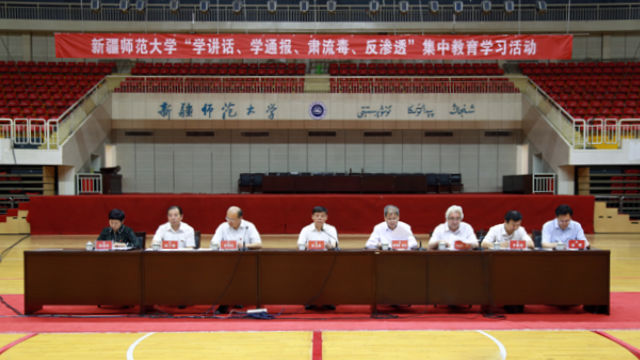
[317, 110]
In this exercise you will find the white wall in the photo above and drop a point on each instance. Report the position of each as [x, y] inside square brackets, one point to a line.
[471, 108]
[169, 161]
[12, 47]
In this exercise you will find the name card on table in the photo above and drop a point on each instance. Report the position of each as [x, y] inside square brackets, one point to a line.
[104, 245]
[315, 245]
[229, 245]
[461, 245]
[169, 244]
[577, 244]
[517, 244]
[400, 244]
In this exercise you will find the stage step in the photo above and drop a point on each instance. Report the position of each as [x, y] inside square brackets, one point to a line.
[607, 220]
[314, 84]
[16, 224]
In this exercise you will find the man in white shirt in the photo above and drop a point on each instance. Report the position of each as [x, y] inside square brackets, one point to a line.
[175, 230]
[502, 234]
[318, 230]
[389, 230]
[237, 229]
[562, 229]
[453, 230]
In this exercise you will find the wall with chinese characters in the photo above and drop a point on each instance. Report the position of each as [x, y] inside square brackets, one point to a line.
[169, 161]
[274, 107]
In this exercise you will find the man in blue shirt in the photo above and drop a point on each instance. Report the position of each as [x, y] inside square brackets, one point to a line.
[562, 229]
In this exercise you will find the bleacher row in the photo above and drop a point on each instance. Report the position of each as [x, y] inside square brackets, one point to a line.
[227, 69]
[70, 68]
[619, 187]
[627, 183]
[422, 85]
[610, 90]
[581, 68]
[414, 69]
[300, 69]
[211, 85]
[45, 90]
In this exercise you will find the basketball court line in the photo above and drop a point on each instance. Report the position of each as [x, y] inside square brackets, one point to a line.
[133, 346]
[503, 351]
[16, 342]
[632, 349]
[336, 343]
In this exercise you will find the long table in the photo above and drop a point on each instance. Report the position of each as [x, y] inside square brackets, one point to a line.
[489, 278]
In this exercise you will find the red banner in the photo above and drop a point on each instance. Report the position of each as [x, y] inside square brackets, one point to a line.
[306, 46]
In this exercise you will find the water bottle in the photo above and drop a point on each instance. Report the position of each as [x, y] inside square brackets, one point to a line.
[89, 246]
[442, 245]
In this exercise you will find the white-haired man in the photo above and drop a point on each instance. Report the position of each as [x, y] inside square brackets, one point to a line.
[453, 233]
[392, 233]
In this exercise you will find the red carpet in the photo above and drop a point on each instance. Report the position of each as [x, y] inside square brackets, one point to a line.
[625, 314]
[287, 214]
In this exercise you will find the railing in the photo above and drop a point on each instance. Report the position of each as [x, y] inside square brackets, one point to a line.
[604, 132]
[46, 134]
[561, 120]
[209, 84]
[452, 85]
[80, 11]
[626, 204]
[87, 183]
[544, 183]
[6, 128]
[30, 132]
[288, 84]
[75, 114]
[628, 129]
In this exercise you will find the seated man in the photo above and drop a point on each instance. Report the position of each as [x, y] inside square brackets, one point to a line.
[121, 235]
[562, 229]
[175, 230]
[502, 234]
[237, 229]
[318, 230]
[453, 230]
[391, 229]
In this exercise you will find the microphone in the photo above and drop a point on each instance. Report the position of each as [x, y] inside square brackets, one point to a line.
[244, 235]
[332, 237]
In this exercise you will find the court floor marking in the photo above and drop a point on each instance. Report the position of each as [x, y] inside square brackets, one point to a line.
[316, 350]
[132, 347]
[16, 342]
[503, 351]
[317, 346]
[632, 349]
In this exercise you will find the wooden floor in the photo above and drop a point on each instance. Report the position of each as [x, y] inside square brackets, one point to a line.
[550, 344]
